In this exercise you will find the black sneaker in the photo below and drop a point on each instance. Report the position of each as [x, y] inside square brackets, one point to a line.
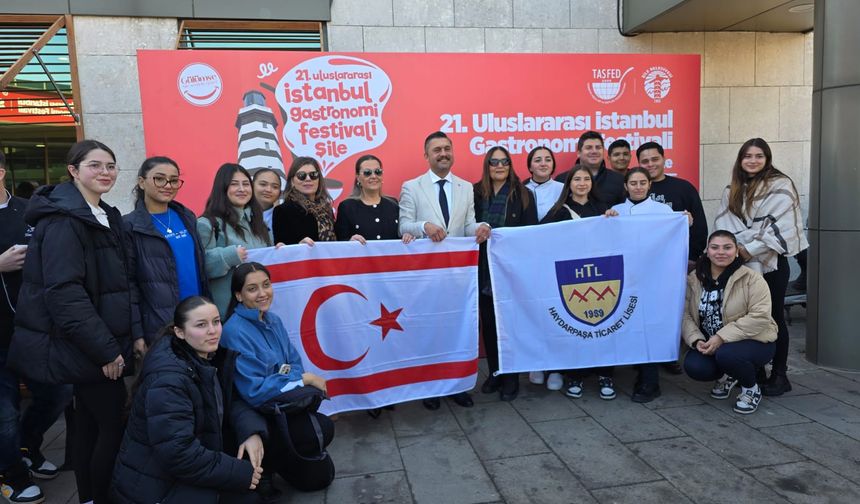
[777, 385]
[16, 486]
[39, 466]
[645, 392]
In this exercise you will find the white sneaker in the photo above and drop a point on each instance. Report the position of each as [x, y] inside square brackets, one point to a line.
[575, 389]
[723, 387]
[536, 377]
[607, 388]
[555, 381]
[748, 400]
[29, 493]
[44, 470]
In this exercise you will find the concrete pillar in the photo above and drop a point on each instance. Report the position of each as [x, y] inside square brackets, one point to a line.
[833, 337]
[106, 48]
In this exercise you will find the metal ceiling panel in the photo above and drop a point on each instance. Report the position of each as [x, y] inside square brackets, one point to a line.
[716, 15]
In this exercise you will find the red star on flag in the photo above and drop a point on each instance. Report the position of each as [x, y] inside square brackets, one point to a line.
[387, 320]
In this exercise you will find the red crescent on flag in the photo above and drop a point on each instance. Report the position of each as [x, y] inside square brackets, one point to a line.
[311, 342]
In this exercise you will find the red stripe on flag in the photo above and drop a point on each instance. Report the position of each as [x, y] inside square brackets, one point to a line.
[287, 272]
[403, 376]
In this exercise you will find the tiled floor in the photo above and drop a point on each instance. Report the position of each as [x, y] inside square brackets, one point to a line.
[544, 448]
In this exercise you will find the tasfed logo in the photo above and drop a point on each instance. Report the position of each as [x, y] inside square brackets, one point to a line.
[590, 288]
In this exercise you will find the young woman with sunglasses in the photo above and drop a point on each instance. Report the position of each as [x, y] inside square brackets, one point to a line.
[231, 224]
[501, 200]
[368, 214]
[305, 216]
[170, 259]
[76, 320]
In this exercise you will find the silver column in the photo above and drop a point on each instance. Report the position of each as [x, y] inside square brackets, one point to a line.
[833, 326]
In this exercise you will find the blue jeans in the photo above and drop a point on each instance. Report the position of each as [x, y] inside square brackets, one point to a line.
[738, 360]
[48, 403]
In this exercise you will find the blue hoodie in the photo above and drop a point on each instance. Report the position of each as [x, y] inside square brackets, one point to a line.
[263, 347]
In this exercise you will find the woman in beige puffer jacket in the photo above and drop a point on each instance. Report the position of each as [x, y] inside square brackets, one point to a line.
[727, 323]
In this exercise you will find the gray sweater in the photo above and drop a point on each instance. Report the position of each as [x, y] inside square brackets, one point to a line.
[221, 255]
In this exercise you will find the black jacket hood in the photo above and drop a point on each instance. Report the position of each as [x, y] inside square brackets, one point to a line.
[62, 198]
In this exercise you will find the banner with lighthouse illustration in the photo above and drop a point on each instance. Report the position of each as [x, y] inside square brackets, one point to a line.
[264, 108]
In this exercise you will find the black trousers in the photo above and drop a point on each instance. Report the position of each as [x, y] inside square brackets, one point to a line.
[301, 474]
[487, 314]
[777, 281]
[98, 433]
[739, 360]
[581, 374]
[488, 331]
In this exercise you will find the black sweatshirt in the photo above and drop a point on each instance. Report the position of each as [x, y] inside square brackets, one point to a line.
[681, 195]
[15, 232]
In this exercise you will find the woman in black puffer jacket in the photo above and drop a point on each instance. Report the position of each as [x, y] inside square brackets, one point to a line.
[180, 443]
[76, 321]
[170, 258]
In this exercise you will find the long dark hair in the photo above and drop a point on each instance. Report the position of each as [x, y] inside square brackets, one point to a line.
[593, 193]
[703, 263]
[145, 167]
[744, 188]
[322, 195]
[218, 206]
[237, 282]
[517, 190]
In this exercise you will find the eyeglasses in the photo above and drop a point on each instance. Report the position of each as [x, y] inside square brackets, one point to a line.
[160, 182]
[303, 175]
[503, 162]
[97, 167]
[369, 172]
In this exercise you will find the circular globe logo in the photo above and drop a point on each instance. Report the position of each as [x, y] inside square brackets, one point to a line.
[199, 84]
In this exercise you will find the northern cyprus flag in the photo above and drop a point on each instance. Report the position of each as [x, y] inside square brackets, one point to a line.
[384, 322]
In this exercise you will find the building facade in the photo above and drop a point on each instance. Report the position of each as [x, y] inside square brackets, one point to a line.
[752, 83]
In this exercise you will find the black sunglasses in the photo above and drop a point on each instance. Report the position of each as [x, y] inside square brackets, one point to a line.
[368, 172]
[497, 162]
[302, 175]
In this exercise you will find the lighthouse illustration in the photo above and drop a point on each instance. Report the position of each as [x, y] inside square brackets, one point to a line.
[258, 138]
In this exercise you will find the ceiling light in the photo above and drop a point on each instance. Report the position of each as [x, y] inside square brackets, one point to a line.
[801, 9]
[40, 145]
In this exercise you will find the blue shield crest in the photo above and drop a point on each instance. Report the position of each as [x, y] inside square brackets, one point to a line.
[590, 288]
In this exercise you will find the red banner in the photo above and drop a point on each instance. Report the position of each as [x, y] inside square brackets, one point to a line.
[34, 107]
[205, 108]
